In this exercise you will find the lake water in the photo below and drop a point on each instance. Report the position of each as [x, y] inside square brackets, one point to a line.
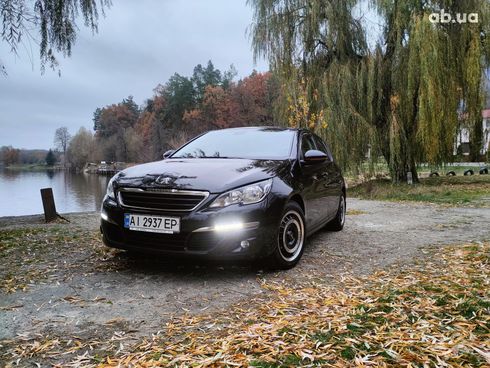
[73, 192]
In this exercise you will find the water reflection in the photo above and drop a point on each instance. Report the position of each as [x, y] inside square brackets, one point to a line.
[19, 191]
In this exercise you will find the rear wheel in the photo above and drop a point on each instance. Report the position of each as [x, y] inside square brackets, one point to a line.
[337, 223]
[290, 237]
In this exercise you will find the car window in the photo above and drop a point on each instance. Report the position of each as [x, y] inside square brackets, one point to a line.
[252, 143]
[307, 143]
[322, 146]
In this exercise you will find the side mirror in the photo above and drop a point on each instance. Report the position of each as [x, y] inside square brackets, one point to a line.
[314, 157]
[168, 153]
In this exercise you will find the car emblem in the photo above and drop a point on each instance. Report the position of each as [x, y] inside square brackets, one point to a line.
[165, 180]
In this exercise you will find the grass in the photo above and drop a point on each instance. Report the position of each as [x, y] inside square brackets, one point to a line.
[353, 212]
[25, 249]
[456, 190]
[12, 238]
[31, 255]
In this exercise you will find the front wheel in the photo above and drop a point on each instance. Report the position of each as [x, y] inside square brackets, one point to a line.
[337, 223]
[290, 237]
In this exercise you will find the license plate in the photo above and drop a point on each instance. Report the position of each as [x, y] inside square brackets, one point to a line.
[152, 224]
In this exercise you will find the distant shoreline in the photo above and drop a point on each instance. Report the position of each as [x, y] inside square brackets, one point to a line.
[33, 167]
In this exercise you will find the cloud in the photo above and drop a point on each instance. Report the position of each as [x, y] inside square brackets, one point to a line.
[139, 45]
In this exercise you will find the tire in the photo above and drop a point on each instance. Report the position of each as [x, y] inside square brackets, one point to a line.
[468, 172]
[337, 224]
[483, 171]
[433, 174]
[451, 173]
[291, 237]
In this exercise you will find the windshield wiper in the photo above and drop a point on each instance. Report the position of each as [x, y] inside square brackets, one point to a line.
[215, 157]
[224, 157]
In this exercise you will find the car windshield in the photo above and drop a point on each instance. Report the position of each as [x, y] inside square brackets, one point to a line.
[265, 143]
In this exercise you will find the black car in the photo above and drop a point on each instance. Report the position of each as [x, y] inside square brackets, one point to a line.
[232, 193]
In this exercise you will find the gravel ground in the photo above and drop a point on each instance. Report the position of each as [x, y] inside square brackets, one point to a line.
[91, 291]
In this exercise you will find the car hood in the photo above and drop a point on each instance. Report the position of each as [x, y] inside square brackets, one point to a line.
[209, 174]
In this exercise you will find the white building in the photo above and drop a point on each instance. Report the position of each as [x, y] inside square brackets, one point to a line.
[463, 137]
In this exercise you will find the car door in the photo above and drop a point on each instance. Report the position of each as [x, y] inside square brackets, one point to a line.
[311, 182]
[331, 179]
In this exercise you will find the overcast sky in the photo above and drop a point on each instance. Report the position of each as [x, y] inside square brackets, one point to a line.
[139, 44]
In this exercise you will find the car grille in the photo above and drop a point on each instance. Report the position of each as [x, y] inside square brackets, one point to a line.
[161, 199]
[203, 241]
[197, 242]
[174, 242]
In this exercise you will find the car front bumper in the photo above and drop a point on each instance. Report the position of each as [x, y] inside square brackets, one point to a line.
[198, 234]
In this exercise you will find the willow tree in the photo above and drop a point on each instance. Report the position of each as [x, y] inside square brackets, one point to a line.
[49, 24]
[404, 98]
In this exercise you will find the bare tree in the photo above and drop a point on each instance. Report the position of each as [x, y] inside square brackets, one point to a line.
[81, 148]
[61, 140]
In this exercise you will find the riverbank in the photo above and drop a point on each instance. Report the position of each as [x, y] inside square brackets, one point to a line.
[87, 219]
[34, 167]
[68, 300]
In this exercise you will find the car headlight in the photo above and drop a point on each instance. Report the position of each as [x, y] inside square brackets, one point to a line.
[248, 194]
[110, 188]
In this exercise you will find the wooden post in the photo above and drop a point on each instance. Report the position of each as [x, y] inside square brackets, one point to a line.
[48, 204]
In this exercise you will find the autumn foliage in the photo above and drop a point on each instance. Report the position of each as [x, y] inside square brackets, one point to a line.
[247, 102]
[182, 108]
[9, 155]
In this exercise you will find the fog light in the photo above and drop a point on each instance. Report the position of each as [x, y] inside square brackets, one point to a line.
[228, 227]
[244, 244]
[104, 216]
